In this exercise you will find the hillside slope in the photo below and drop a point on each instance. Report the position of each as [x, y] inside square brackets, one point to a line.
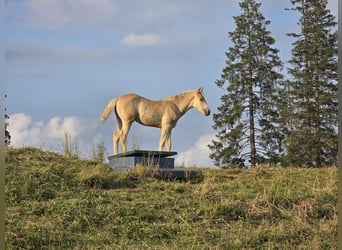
[54, 202]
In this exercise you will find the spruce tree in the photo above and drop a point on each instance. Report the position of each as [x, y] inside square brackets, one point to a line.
[246, 120]
[312, 134]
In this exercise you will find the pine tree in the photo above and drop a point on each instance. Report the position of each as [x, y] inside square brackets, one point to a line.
[246, 121]
[312, 136]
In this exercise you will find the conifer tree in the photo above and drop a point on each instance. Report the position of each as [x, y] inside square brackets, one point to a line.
[312, 135]
[246, 120]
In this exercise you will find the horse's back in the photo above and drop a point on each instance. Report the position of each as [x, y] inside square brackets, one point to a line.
[128, 97]
[130, 104]
[132, 107]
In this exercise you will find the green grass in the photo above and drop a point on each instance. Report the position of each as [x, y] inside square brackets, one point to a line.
[57, 202]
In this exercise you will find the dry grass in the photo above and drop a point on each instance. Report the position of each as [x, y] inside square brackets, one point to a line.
[60, 202]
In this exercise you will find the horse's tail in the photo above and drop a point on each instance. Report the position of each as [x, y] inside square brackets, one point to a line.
[110, 106]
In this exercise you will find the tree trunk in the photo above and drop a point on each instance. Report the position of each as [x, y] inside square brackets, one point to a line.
[251, 121]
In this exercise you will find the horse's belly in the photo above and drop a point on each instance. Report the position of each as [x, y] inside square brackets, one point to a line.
[155, 114]
[149, 119]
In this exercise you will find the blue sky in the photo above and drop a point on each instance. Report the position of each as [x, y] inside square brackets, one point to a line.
[65, 59]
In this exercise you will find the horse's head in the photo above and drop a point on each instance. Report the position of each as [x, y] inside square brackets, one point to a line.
[200, 103]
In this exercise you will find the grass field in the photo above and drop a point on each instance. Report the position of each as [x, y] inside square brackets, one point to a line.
[57, 202]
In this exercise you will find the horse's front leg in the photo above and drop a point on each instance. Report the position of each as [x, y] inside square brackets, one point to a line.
[165, 138]
[168, 141]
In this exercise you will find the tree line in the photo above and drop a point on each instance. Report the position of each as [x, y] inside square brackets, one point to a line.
[265, 117]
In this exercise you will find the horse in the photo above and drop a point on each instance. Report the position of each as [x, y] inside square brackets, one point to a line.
[162, 114]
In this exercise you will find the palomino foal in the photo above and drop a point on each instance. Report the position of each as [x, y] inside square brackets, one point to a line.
[162, 114]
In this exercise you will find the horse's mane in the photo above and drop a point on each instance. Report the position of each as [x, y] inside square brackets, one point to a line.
[179, 95]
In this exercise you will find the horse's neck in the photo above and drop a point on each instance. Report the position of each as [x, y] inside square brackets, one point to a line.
[183, 103]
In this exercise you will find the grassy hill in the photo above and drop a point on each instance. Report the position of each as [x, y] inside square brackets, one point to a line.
[55, 202]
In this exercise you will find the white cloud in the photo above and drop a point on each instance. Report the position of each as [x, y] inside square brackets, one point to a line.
[31, 55]
[70, 13]
[198, 154]
[109, 15]
[79, 14]
[144, 40]
[25, 132]
[57, 126]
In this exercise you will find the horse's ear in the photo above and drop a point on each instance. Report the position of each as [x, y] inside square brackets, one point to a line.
[200, 90]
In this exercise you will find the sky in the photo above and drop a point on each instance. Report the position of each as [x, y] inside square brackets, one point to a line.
[66, 59]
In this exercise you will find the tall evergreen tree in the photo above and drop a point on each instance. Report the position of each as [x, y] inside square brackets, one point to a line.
[312, 134]
[245, 122]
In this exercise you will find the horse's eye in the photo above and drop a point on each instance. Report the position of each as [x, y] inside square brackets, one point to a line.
[202, 99]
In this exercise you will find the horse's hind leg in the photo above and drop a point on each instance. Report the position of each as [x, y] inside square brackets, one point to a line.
[123, 135]
[116, 138]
